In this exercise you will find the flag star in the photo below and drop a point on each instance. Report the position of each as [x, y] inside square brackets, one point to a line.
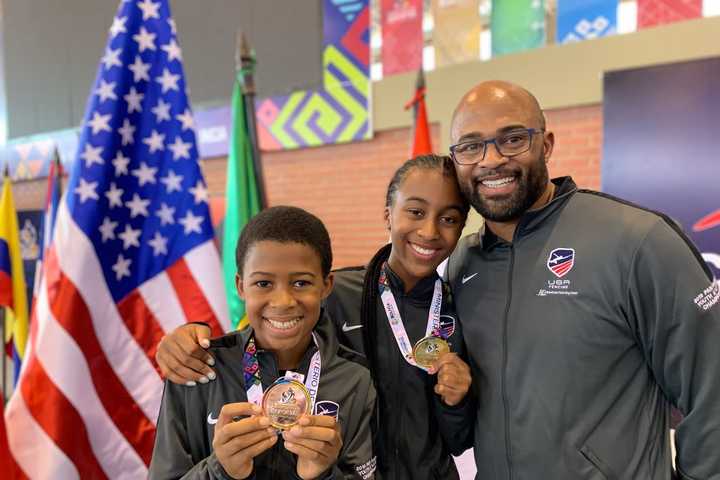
[100, 123]
[86, 190]
[122, 267]
[166, 214]
[118, 26]
[127, 131]
[140, 70]
[158, 244]
[111, 58]
[137, 206]
[155, 141]
[200, 192]
[180, 149]
[120, 162]
[169, 81]
[145, 40]
[173, 50]
[107, 229]
[149, 9]
[191, 223]
[145, 174]
[172, 182]
[173, 27]
[106, 91]
[92, 155]
[161, 111]
[186, 119]
[134, 100]
[114, 195]
[130, 237]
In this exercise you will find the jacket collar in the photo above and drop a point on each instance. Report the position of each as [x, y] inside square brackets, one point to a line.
[531, 220]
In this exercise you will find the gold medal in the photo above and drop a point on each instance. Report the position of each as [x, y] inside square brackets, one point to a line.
[428, 350]
[285, 402]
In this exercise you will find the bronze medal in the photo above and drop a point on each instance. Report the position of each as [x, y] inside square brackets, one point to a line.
[428, 350]
[285, 402]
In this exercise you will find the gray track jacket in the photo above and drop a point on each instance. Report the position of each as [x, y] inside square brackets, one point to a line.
[183, 446]
[582, 332]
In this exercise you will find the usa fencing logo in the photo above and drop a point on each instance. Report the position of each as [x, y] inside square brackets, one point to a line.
[561, 261]
[327, 407]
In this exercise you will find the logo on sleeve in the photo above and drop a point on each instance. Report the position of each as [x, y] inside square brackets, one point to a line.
[327, 408]
[561, 261]
[709, 297]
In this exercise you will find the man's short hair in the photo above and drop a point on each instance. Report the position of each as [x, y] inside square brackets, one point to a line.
[286, 224]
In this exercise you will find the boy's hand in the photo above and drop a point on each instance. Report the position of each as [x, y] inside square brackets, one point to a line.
[317, 442]
[237, 443]
[453, 378]
[181, 355]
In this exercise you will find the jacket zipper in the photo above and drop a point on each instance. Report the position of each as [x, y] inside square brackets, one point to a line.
[508, 453]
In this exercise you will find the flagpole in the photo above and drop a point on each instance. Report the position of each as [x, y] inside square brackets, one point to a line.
[245, 65]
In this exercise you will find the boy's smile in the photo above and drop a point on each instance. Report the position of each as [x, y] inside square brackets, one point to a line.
[283, 288]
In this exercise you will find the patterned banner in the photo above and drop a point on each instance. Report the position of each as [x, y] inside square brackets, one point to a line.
[402, 45]
[517, 25]
[585, 19]
[658, 12]
[338, 112]
[456, 34]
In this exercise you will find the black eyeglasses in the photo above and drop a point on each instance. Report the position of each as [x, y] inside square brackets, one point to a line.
[507, 144]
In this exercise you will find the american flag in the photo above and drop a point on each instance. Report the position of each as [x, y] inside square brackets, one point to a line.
[132, 257]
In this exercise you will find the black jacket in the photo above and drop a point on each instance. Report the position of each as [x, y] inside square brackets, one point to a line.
[417, 431]
[582, 333]
[183, 446]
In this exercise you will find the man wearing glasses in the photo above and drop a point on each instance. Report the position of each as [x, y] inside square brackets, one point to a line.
[585, 317]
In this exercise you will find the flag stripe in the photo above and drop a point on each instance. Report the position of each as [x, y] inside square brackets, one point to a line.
[129, 361]
[56, 350]
[72, 314]
[44, 459]
[6, 294]
[204, 263]
[5, 265]
[159, 296]
[141, 324]
[59, 420]
[193, 302]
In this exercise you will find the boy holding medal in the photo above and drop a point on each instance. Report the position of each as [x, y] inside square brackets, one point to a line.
[284, 374]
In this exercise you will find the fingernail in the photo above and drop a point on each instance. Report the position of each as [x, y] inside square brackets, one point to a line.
[203, 380]
[211, 361]
[205, 343]
[211, 375]
[190, 383]
[264, 421]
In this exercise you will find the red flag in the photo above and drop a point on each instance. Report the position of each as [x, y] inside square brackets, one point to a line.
[421, 129]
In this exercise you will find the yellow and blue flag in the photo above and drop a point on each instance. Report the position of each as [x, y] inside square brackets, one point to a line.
[12, 278]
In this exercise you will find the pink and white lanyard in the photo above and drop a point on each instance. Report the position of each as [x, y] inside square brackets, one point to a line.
[396, 323]
[253, 383]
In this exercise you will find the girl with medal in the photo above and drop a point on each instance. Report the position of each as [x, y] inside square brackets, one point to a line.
[286, 405]
[399, 314]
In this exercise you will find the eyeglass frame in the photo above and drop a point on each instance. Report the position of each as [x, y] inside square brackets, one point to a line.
[530, 131]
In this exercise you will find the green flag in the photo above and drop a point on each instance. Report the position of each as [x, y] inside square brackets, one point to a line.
[517, 25]
[241, 199]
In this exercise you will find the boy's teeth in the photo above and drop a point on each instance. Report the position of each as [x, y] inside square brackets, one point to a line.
[498, 183]
[424, 251]
[284, 325]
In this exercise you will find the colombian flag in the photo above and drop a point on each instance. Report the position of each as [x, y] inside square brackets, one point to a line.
[12, 278]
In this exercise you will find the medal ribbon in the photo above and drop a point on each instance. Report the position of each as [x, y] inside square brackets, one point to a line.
[396, 323]
[253, 382]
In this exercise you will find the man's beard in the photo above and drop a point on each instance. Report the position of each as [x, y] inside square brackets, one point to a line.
[531, 184]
